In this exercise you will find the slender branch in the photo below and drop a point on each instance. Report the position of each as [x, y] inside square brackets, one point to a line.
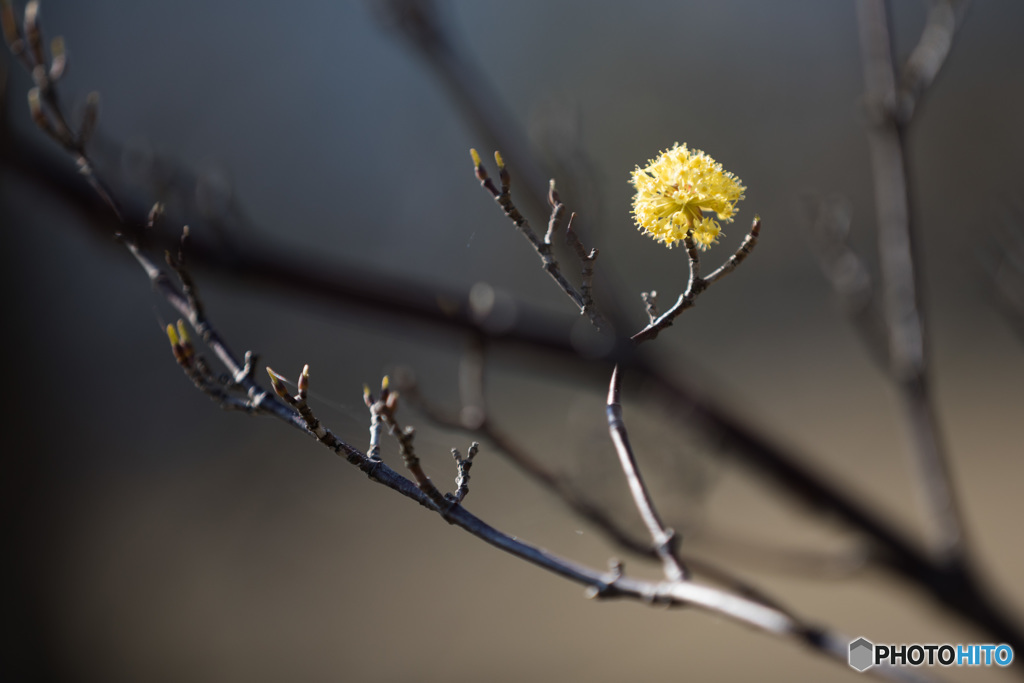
[582, 298]
[928, 57]
[482, 425]
[475, 420]
[901, 280]
[665, 540]
[696, 284]
[384, 408]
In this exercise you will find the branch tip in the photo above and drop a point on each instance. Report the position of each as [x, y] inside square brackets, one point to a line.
[613, 387]
[183, 332]
[553, 198]
[304, 382]
[279, 386]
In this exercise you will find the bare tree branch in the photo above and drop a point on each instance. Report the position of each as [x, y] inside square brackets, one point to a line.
[956, 587]
[581, 297]
[665, 540]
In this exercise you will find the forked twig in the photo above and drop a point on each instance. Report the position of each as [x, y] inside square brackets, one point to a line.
[27, 45]
[582, 297]
[904, 320]
[696, 284]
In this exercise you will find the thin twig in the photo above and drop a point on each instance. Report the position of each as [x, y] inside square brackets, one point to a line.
[650, 300]
[665, 539]
[26, 44]
[1002, 259]
[582, 298]
[696, 284]
[802, 563]
[463, 466]
[828, 222]
[384, 408]
[925, 62]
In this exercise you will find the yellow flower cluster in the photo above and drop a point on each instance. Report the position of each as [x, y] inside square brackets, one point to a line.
[674, 191]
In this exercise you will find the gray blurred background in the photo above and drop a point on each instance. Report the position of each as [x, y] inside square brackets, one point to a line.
[152, 537]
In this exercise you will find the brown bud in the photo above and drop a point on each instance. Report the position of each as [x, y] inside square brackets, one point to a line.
[304, 382]
[58, 58]
[10, 25]
[33, 34]
[279, 386]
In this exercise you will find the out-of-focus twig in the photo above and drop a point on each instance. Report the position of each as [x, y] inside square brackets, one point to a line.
[925, 62]
[828, 221]
[26, 44]
[904, 316]
[1003, 263]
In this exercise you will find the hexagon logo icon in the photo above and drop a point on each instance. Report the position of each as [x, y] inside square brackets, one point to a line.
[862, 653]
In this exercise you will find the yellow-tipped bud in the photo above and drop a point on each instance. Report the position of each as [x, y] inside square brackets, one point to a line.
[498, 159]
[183, 332]
[173, 335]
[278, 383]
[385, 383]
[476, 157]
[304, 381]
